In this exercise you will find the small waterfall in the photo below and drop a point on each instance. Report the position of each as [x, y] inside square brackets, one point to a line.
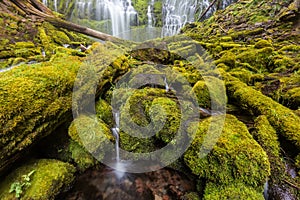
[55, 5]
[119, 167]
[116, 131]
[166, 84]
[150, 14]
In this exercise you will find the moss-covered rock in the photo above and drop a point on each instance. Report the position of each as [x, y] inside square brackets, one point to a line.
[36, 104]
[262, 44]
[80, 156]
[232, 191]
[104, 112]
[228, 59]
[210, 93]
[38, 179]
[235, 157]
[92, 134]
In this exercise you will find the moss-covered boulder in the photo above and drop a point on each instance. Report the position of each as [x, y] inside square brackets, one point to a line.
[37, 180]
[90, 136]
[232, 191]
[236, 156]
[104, 112]
[150, 112]
[210, 93]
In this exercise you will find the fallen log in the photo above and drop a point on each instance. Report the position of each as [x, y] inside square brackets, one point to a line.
[36, 99]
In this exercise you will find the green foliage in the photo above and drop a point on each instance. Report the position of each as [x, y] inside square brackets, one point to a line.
[19, 186]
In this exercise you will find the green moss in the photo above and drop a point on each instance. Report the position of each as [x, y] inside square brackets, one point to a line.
[297, 161]
[136, 144]
[150, 105]
[21, 45]
[281, 118]
[228, 59]
[33, 99]
[261, 59]
[50, 177]
[104, 112]
[292, 97]
[262, 44]
[165, 111]
[246, 33]
[243, 75]
[60, 37]
[210, 92]
[81, 156]
[266, 136]
[292, 48]
[92, 134]
[283, 63]
[235, 157]
[231, 191]
[226, 39]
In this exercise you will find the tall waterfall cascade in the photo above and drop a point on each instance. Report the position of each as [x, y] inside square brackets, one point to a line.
[122, 15]
[176, 14]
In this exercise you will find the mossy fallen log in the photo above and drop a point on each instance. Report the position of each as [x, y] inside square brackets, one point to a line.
[36, 99]
[284, 120]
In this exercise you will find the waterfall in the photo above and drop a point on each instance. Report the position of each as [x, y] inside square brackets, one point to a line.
[166, 84]
[116, 131]
[122, 15]
[55, 5]
[150, 14]
[176, 13]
